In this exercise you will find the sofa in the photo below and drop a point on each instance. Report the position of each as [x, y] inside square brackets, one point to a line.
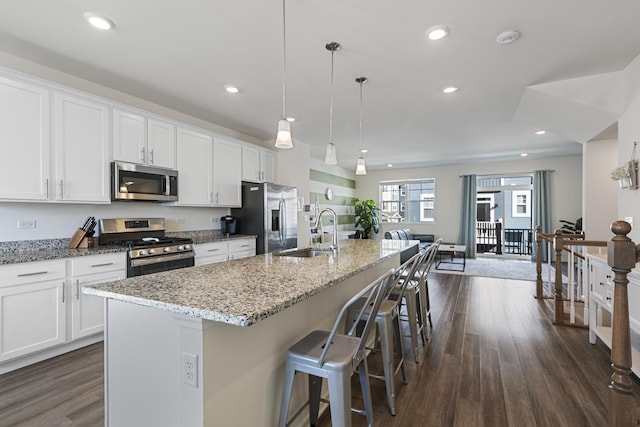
[406, 234]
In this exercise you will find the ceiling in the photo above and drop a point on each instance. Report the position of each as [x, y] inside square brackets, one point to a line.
[181, 54]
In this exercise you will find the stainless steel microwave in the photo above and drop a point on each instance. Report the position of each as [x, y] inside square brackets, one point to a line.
[130, 181]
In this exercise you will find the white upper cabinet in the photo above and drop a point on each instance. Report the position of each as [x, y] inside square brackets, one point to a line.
[258, 165]
[25, 141]
[81, 141]
[227, 164]
[195, 168]
[137, 139]
[268, 165]
[161, 143]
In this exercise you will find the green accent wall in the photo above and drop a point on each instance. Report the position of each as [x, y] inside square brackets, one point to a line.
[327, 178]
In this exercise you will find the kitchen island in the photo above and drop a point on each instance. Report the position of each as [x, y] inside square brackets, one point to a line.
[206, 346]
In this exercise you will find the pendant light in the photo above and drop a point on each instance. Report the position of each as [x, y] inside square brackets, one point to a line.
[283, 137]
[330, 157]
[361, 167]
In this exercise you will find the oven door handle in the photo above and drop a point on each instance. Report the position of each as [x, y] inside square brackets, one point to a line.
[153, 260]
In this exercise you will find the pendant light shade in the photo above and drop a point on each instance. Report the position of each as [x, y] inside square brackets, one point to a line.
[361, 167]
[330, 156]
[283, 137]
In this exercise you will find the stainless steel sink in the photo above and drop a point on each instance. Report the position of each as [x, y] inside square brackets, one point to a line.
[305, 252]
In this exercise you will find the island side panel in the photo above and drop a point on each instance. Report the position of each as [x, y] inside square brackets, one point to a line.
[244, 367]
[141, 366]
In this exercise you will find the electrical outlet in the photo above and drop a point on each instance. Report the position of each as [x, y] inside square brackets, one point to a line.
[190, 369]
[181, 221]
[215, 220]
[27, 224]
[629, 219]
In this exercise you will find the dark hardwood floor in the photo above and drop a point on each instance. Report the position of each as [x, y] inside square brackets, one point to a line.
[494, 359]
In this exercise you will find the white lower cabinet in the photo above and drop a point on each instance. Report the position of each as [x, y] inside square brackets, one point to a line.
[32, 307]
[43, 311]
[209, 253]
[87, 311]
[242, 248]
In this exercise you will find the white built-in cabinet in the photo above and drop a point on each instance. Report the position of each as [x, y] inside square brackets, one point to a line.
[87, 312]
[43, 309]
[143, 140]
[64, 159]
[195, 168]
[57, 145]
[33, 300]
[227, 164]
[208, 170]
[258, 165]
[81, 150]
[25, 140]
[225, 250]
[601, 298]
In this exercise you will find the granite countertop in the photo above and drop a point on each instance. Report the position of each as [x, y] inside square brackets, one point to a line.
[244, 291]
[49, 249]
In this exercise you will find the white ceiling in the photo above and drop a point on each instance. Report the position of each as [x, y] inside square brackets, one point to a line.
[181, 54]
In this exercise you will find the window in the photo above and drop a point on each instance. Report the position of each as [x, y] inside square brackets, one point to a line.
[408, 201]
[521, 203]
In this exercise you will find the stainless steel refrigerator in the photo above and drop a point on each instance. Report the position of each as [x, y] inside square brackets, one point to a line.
[269, 211]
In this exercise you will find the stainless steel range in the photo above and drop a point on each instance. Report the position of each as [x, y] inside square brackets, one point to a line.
[149, 250]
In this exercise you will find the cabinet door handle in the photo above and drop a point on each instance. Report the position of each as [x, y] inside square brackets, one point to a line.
[46, 188]
[102, 265]
[77, 288]
[142, 156]
[151, 156]
[244, 246]
[217, 197]
[213, 250]
[608, 298]
[258, 174]
[64, 290]
[32, 274]
[62, 188]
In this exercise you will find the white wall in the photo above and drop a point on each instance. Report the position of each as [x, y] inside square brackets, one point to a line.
[628, 132]
[56, 221]
[600, 192]
[566, 189]
[293, 168]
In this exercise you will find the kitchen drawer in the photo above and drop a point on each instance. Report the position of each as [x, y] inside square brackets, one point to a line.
[31, 272]
[92, 264]
[211, 249]
[242, 245]
[242, 254]
[203, 260]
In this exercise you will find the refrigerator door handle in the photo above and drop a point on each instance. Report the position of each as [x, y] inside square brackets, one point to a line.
[283, 215]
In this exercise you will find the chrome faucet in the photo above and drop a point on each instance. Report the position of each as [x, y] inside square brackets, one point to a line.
[334, 217]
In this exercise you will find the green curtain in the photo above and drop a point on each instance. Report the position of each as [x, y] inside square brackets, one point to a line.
[468, 215]
[542, 206]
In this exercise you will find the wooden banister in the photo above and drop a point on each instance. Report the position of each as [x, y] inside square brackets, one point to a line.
[621, 257]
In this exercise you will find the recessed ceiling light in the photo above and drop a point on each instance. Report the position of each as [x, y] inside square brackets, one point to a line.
[99, 21]
[389, 165]
[524, 154]
[438, 32]
[290, 119]
[364, 150]
[232, 88]
[449, 89]
[508, 36]
[541, 132]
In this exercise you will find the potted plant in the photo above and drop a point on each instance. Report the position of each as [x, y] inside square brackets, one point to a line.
[366, 217]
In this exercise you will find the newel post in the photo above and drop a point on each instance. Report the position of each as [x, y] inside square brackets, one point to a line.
[621, 257]
[539, 257]
[558, 245]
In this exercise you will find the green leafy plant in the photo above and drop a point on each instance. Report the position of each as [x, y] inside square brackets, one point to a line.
[571, 227]
[366, 217]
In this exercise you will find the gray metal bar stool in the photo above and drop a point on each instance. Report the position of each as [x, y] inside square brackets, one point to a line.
[336, 357]
[388, 323]
[415, 300]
